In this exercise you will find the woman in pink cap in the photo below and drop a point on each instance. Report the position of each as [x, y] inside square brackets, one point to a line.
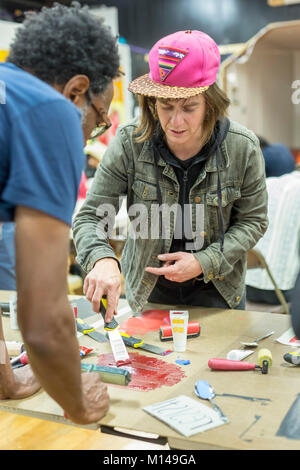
[195, 187]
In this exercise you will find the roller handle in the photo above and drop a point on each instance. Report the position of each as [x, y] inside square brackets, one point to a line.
[226, 364]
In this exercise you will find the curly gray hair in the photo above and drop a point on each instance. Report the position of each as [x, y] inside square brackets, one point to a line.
[60, 42]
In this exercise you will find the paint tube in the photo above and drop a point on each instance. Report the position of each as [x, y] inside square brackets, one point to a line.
[179, 322]
[84, 351]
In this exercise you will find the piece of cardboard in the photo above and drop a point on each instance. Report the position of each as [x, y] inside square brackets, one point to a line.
[261, 81]
[243, 396]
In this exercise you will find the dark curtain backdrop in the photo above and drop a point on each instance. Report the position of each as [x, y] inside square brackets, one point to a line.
[143, 22]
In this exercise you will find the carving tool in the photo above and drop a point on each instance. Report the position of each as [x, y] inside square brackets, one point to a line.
[264, 362]
[116, 342]
[292, 358]
[89, 330]
[111, 375]
[139, 344]
[255, 342]
[193, 330]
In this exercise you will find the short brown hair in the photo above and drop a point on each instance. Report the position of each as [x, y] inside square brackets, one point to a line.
[216, 100]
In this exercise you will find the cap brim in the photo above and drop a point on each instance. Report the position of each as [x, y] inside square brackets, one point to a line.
[145, 86]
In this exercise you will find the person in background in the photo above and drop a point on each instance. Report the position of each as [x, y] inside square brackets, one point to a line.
[280, 245]
[58, 88]
[7, 257]
[94, 151]
[181, 151]
[295, 307]
[278, 158]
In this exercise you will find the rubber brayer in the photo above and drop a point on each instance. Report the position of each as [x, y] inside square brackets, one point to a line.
[111, 375]
[193, 330]
[264, 362]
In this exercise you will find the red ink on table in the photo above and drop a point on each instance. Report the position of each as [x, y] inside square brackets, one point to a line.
[147, 373]
[150, 320]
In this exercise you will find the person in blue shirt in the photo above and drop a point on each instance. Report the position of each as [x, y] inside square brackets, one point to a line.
[279, 159]
[56, 87]
[7, 257]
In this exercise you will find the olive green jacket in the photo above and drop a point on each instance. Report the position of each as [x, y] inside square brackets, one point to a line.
[128, 168]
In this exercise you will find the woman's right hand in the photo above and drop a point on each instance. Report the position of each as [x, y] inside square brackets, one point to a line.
[104, 279]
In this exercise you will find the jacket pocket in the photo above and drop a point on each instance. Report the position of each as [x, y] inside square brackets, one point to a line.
[229, 196]
[144, 191]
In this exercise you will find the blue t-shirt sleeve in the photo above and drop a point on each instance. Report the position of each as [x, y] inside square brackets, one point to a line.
[47, 159]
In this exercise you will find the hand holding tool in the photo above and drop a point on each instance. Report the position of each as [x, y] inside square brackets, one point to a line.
[113, 324]
[264, 362]
[206, 391]
[255, 342]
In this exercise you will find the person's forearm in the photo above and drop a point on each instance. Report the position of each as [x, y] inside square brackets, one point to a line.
[90, 238]
[53, 353]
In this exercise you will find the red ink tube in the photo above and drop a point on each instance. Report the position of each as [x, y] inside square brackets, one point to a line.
[193, 330]
[84, 351]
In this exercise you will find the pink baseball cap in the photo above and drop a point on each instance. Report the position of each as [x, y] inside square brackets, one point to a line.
[182, 64]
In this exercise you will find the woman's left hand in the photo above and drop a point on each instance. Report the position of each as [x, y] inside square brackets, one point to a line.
[178, 267]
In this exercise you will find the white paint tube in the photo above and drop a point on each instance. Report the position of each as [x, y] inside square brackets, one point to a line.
[179, 323]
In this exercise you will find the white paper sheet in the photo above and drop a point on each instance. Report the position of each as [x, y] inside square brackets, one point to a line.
[289, 338]
[185, 415]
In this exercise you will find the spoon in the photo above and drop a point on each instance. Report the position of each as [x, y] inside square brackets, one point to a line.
[255, 342]
[207, 392]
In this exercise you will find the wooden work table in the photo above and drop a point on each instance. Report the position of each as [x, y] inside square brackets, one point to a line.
[253, 423]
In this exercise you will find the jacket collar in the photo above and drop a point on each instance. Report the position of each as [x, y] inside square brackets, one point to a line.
[147, 156]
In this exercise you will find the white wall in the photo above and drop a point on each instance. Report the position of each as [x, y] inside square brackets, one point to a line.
[261, 92]
[7, 32]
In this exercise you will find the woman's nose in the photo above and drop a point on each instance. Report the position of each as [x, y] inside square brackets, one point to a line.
[177, 118]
